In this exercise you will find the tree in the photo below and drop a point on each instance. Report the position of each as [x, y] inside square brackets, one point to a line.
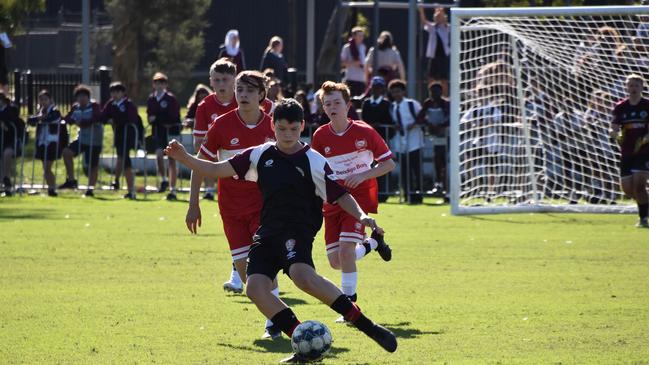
[156, 35]
[12, 12]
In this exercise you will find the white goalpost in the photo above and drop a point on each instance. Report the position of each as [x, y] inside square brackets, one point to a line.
[532, 90]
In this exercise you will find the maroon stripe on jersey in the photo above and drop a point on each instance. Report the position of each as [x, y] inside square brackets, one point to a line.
[241, 162]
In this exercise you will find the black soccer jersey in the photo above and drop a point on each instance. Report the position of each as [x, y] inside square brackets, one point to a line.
[293, 187]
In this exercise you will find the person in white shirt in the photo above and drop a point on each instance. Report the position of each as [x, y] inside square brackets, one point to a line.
[409, 140]
[352, 59]
[438, 49]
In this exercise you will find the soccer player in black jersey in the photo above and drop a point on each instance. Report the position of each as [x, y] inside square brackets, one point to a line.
[294, 181]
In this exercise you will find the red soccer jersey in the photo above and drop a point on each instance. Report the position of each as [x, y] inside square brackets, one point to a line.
[351, 152]
[211, 108]
[228, 136]
[634, 121]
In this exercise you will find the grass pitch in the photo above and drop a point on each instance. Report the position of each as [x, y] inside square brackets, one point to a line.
[109, 281]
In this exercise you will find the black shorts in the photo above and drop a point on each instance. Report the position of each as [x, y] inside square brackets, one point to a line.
[439, 68]
[631, 164]
[124, 140]
[162, 135]
[90, 157]
[49, 152]
[269, 255]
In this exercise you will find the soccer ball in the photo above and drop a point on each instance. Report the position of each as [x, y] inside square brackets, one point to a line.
[311, 339]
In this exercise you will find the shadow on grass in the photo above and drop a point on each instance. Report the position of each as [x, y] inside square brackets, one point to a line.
[404, 331]
[278, 346]
[520, 219]
[6, 214]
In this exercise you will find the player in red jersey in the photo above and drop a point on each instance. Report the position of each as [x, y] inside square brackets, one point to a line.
[357, 155]
[239, 200]
[631, 115]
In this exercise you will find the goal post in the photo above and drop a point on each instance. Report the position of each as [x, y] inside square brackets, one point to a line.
[532, 91]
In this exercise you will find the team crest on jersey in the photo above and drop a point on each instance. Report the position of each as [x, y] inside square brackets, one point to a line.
[269, 163]
[122, 108]
[327, 150]
[163, 104]
[214, 116]
[358, 226]
[633, 114]
[234, 141]
[361, 143]
[643, 114]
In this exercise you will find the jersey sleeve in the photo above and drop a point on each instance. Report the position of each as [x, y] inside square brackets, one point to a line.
[380, 149]
[200, 123]
[325, 187]
[211, 144]
[242, 161]
[617, 116]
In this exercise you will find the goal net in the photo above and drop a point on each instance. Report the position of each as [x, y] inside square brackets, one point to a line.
[531, 97]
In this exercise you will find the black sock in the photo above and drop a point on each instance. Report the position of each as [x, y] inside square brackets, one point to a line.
[368, 247]
[643, 210]
[353, 314]
[286, 321]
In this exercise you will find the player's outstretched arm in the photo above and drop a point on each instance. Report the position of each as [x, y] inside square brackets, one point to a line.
[349, 205]
[380, 169]
[214, 170]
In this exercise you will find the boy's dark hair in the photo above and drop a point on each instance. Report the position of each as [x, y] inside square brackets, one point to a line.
[288, 109]
[434, 85]
[255, 79]
[117, 86]
[45, 92]
[81, 89]
[397, 83]
[223, 66]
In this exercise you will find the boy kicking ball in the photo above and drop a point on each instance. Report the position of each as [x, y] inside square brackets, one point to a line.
[294, 181]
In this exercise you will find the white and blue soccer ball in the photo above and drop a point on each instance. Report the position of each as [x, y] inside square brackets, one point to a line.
[311, 339]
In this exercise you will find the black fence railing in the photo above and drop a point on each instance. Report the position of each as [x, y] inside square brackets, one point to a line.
[26, 85]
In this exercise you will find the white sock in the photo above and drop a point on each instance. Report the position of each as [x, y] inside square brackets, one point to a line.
[276, 294]
[362, 248]
[234, 277]
[348, 283]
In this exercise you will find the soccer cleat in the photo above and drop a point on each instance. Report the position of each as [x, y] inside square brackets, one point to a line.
[52, 193]
[89, 193]
[272, 333]
[208, 196]
[69, 184]
[163, 186]
[172, 196]
[115, 185]
[129, 196]
[384, 337]
[298, 359]
[233, 287]
[382, 248]
[642, 223]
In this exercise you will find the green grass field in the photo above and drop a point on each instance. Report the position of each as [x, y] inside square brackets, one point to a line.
[109, 281]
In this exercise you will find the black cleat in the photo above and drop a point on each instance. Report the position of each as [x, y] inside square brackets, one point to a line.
[163, 186]
[208, 196]
[384, 337]
[115, 185]
[69, 184]
[172, 196]
[52, 193]
[298, 359]
[89, 193]
[129, 196]
[383, 248]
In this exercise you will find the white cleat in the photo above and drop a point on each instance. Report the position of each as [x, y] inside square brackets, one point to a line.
[233, 287]
[642, 223]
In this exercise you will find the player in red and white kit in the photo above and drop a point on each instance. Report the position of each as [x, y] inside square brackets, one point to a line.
[220, 102]
[240, 201]
[357, 155]
[632, 116]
